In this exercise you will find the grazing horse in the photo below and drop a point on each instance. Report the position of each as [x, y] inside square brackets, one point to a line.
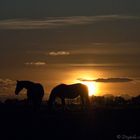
[35, 92]
[63, 91]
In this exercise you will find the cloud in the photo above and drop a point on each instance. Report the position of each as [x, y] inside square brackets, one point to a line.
[55, 22]
[39, 63]
[6, 84]
[59, 53]
[108, 80]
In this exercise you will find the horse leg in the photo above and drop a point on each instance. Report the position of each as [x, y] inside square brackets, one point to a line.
[86, 104]
[82, 102]
[28, 103]
[36, 105]
[63, 103]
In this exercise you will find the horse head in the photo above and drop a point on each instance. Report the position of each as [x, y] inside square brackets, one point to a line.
[19, 87]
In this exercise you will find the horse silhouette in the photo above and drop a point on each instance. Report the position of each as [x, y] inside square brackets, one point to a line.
[35, 92]
[64, 91]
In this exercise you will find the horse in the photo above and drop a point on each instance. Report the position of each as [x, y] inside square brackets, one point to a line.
[64, 91]
[35, 92]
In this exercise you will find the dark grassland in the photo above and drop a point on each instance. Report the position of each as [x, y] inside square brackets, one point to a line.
[18, 121]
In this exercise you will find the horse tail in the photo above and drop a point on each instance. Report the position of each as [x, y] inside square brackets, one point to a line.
[87, 100]
[85, 95]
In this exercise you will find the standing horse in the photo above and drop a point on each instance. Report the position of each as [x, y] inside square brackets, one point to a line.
[63, 91]
[35, 92]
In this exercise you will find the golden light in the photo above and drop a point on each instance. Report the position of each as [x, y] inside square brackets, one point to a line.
[92, 87]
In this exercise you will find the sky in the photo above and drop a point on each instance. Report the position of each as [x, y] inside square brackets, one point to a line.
[53, 42]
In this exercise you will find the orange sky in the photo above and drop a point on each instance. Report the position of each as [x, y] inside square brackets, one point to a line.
[59, 42]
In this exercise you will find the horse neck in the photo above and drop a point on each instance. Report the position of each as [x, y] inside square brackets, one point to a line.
[52, 97]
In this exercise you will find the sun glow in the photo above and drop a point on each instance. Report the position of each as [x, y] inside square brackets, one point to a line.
[85, 77]
[92, 87]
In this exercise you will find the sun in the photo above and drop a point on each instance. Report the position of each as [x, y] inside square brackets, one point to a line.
[92, 87]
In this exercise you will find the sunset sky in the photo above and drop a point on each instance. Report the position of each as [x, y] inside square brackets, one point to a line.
[64, 41]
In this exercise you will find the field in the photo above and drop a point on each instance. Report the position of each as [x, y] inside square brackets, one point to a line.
[19, 122]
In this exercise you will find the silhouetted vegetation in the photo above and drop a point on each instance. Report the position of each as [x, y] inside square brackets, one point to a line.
[107, 118]
[95, 102]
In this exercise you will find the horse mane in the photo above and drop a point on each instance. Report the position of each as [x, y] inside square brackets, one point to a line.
[26, 81]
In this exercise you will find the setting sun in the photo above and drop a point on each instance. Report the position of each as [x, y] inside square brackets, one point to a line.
[92, 87]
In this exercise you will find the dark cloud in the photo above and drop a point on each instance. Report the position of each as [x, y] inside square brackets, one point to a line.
[43, 8]
[108, 80]
[55, 22]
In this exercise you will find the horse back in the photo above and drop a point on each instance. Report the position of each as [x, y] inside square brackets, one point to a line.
[70, 91]
[79, 88]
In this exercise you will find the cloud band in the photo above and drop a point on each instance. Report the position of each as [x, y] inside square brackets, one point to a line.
[108, 80]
